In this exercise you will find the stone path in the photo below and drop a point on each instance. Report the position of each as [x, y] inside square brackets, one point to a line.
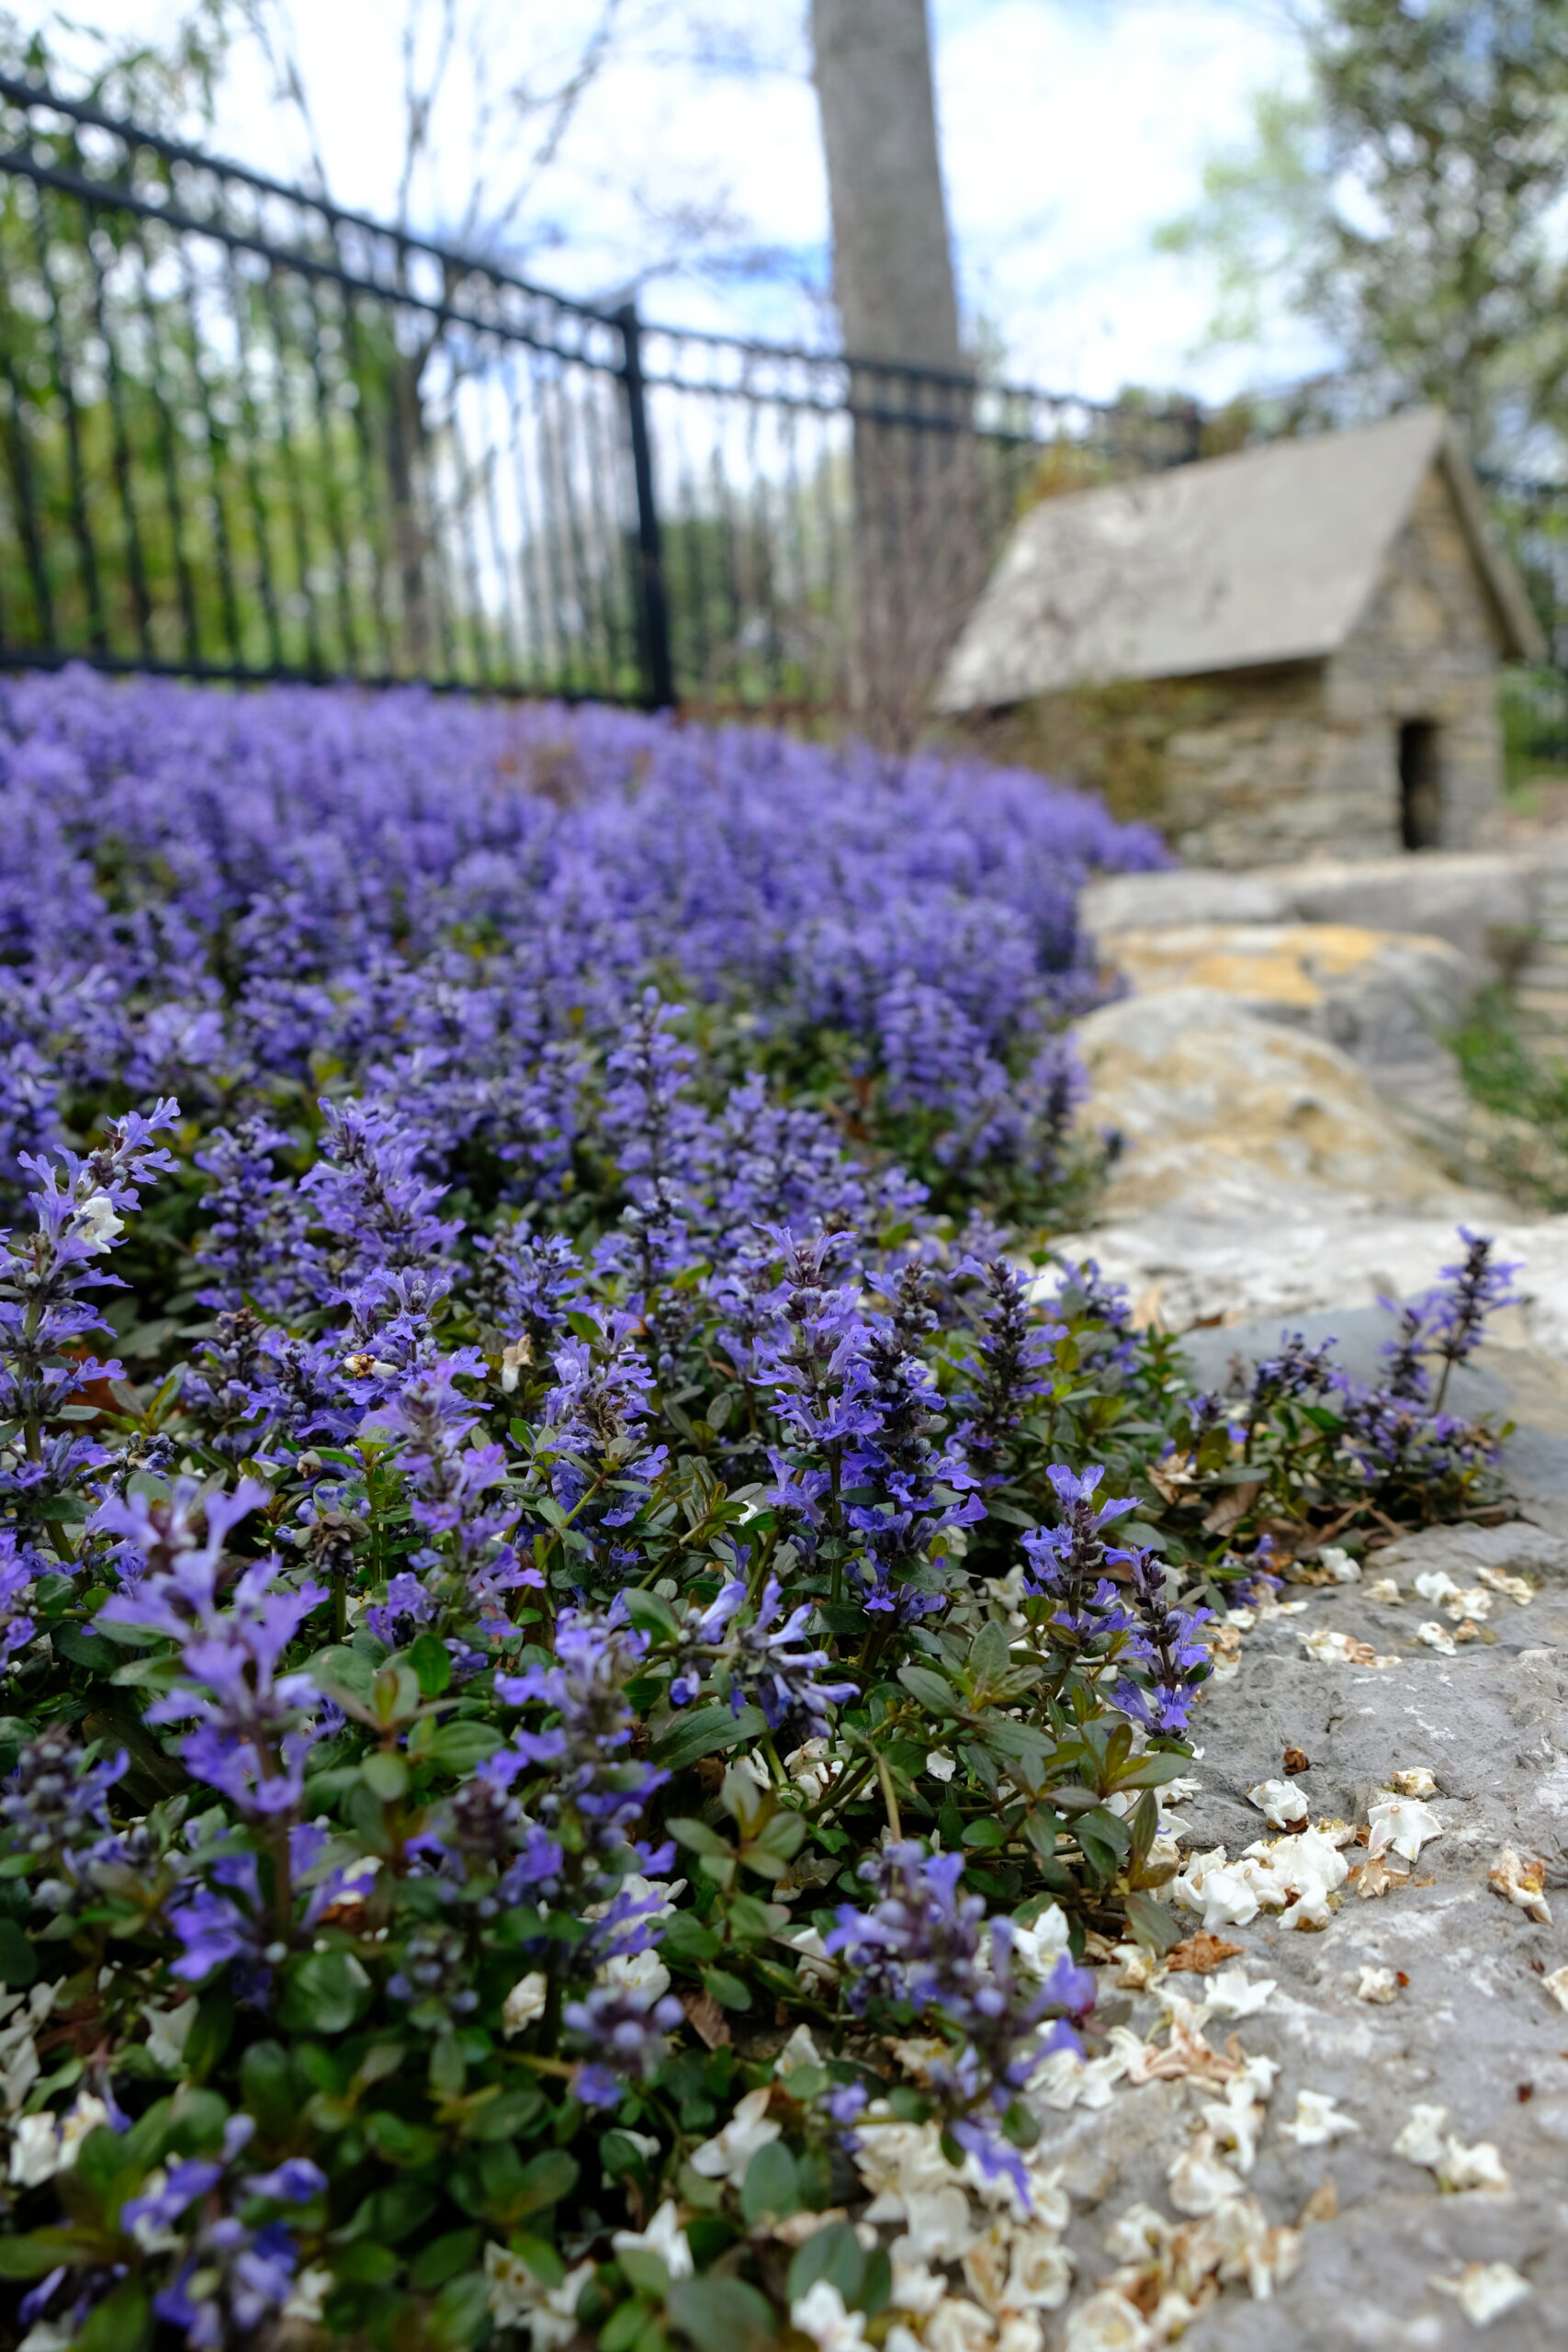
[1285, 2183]
[1462, 2017]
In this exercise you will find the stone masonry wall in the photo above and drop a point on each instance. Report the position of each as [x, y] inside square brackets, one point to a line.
[1428, 647]
[1303, 760]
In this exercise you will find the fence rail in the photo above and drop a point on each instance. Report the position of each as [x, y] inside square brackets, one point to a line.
[248, 434]
[245, 432]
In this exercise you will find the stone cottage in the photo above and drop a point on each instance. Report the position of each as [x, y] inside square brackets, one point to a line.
[1315, 627]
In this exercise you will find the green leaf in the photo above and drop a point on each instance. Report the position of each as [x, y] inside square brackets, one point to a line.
[989, 1656]
[1152, 1771]
[1153, 1924]
[697, 1837]
[45, 2250]
[86, 1649]
[268, 2089]
[728, 1991]
[1019, 1742]
[651, 1612]
[461, 2313]
[685, 1938]
[210, 2030]
[459, 1746]
[328, 1992]
[985, 1834]
[385, 1775]
[1104, 1839]
[121, 2323]
[930, 1689]
[649, 2273]
[514, 2191]
[722, 2315]
[19, 1962]
[624, 2324]
[432, 1662]
[365, 2264]
[833, 2253]
[703, 1731]
[341, 1669]
[772, 2187]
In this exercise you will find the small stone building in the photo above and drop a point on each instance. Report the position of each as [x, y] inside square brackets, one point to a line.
[1306, 638]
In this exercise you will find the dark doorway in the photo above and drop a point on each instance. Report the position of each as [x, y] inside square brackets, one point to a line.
[1420, 785]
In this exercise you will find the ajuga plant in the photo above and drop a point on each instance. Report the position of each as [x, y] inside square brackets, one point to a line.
[580, 1653]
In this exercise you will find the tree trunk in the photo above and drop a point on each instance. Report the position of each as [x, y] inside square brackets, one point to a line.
[919, 547]
[892, 255]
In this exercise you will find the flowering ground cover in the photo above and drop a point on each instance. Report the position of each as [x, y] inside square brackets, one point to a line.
[586, 1650]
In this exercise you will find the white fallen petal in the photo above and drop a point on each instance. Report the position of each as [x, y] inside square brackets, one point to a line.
[1236, 2121]
[1471, 1600]
[1418, 1782]
[1140, 2233]
[1341, 1567]
[1422, 2141]
[1484, 2291]
[1377, 1985]
[1197, 2181]
[726, 2155]
[663, 2237]
[1514, 1586]
[1557, 1985]
[1109, 2323]
[1435, 1583]
[1231, 1993]
[1477, 2167]
[1521, 1880]
[800, 2050]
[1386, 1589]
[1401, 1825]
[819, 2314]
[1317, 2123]
[1280, 1803]
[1436, 1637]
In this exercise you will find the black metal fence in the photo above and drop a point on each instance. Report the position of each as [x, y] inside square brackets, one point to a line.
[245, 434]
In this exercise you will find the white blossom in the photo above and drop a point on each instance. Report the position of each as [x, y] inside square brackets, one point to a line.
[524, 2002]
[726, 2155]
[1484, 2291]
[663, 2237]
[820, 2315]
[1317, 2123]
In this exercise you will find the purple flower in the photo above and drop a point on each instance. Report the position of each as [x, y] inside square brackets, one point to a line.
[624, 2030]
[1068, 1563]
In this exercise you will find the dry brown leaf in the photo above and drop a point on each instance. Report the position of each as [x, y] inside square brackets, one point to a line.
[1296, 1761]
[1374, 1877]
[1200, 1952]
[706, 2019]
[1171, 1479]
[1323, 2205]
[1232, 1506]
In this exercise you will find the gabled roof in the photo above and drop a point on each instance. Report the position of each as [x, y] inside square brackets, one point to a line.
[1272, 554]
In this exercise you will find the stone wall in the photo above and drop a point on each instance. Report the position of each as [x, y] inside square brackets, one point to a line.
[1429, 648]
[1305, 761]
[1279, 764]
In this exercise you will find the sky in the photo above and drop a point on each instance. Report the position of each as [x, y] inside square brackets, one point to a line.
[1070, 131]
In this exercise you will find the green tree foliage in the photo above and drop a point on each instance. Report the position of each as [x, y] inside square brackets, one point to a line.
[1410, 204]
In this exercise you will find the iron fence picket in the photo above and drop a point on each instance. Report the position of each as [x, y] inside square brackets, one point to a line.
[381, 457]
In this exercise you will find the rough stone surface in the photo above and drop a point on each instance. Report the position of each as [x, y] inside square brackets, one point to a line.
[1192, 894]
[1390, 1000]
[1185, 1267]
[1472, 2027]
[1481, 902]
[1229, 1115]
